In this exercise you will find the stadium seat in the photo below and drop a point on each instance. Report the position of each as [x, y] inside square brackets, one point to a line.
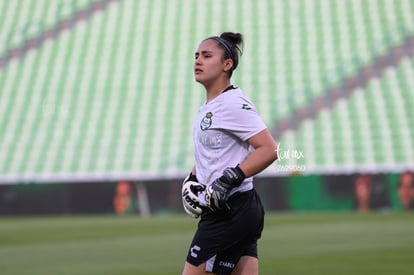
[109, 92]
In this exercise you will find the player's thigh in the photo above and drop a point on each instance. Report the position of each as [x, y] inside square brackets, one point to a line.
[190, 269]
[247, 265]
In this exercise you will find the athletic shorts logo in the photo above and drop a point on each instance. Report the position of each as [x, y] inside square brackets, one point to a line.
[193, 251]
[206, 121]
[227, 264]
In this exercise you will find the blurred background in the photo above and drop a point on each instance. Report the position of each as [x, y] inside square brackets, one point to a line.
[97, 101]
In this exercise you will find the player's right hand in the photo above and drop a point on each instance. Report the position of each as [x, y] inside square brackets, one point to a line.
[190, 192]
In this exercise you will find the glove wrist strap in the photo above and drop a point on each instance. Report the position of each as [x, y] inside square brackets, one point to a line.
[233, 177]
[192, 177]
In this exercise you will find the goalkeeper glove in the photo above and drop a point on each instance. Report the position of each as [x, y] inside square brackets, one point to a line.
[217, 193]
[190, 191]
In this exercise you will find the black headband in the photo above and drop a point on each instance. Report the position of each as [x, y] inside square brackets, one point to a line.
[229, 49]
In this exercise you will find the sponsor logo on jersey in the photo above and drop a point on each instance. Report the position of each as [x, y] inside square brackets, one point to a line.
[206, 121]
[246, 107]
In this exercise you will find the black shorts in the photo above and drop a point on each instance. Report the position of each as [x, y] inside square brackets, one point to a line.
[221, 239]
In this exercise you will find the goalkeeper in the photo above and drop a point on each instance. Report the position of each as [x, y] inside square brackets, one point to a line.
[231, 145]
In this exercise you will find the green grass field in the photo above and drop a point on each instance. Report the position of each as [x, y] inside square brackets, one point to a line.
[331, 243]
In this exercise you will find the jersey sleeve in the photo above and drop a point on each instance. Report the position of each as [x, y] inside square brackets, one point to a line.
[241, 118]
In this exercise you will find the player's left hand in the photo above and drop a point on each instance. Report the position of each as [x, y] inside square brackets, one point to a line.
[216, 195]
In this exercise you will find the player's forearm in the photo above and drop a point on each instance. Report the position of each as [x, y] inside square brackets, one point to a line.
[258, 160]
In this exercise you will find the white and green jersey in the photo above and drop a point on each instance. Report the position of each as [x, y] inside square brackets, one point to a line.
[221, 131]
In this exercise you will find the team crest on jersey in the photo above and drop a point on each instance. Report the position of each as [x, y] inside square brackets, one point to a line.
[206, 121]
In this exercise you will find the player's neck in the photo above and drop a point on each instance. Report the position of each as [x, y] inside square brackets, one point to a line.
[216, 89]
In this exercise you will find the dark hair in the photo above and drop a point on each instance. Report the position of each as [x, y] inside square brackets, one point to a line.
[232, 45]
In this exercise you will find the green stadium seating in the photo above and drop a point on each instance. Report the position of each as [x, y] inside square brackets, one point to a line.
[110, 94]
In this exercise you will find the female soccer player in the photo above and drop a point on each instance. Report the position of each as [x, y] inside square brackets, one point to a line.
[231, 145]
